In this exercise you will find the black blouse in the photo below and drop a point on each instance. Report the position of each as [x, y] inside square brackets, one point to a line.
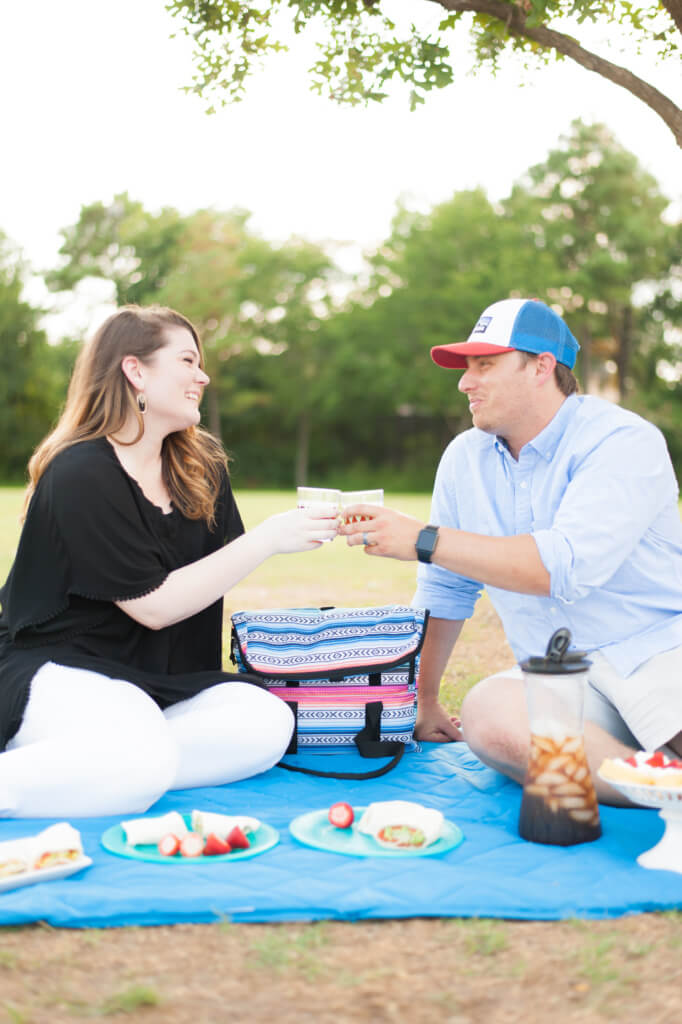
[91, 538]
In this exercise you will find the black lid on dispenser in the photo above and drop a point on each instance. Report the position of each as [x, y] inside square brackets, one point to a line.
[556, 661]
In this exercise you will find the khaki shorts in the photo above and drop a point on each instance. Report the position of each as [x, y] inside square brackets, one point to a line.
[643, 710]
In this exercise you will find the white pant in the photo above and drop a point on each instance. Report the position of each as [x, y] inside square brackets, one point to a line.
[89, 745]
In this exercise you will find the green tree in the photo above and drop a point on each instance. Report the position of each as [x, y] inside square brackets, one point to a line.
[123, 243]
[361, 49]
[430, 280]
[33, 374]
[257, 307]
[296, 356]
[600, 214]
[657, 360]
[223, 280]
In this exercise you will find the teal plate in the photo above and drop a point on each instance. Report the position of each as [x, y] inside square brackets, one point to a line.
[114, 841]
[314, 829]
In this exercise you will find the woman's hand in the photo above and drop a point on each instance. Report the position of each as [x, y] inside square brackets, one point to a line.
[383, 531]
[296, 530]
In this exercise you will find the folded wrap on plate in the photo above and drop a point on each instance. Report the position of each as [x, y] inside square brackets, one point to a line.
[205, 822]
[401, 824]
[15, 857]
[147, 831]
[58, 844]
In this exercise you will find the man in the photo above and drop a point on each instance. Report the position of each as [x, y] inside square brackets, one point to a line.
[565, 509]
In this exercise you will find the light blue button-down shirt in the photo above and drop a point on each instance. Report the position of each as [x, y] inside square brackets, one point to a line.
[597, 492]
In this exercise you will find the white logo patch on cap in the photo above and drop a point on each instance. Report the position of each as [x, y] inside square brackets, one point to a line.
[497, 322]
[482, 325]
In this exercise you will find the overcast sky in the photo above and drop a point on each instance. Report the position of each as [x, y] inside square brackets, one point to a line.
[92, 105]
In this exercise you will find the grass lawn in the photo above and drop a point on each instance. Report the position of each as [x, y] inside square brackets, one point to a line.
[11, 501]
[425, 970]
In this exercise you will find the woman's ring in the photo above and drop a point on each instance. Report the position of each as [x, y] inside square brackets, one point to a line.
[365, 540]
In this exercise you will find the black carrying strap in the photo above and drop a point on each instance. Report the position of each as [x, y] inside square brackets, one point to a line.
[369, 745]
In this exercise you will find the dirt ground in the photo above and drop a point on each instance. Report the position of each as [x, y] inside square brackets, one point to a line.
[422, 970]
[454, 971]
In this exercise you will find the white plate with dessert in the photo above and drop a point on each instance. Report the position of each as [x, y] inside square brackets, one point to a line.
[652, 779]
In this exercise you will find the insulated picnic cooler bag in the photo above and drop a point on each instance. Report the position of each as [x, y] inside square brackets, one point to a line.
[348, 674]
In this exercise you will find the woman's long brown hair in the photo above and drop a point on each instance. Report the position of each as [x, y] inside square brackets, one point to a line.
[100, 400]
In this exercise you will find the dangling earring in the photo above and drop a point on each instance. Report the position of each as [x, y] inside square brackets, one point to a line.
[141, 402]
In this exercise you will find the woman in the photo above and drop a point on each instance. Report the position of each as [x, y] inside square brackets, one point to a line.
[111, 689]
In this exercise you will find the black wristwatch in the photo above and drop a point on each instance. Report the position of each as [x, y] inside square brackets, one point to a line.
[426, 543]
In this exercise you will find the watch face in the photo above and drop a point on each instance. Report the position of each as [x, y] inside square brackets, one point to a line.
[426, 543]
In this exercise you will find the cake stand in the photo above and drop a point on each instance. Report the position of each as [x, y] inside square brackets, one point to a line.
[666, 855]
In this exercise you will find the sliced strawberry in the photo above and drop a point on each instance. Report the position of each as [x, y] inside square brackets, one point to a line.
[168, 845]
[631, 760]
[215, 845]
[238, 839]
[656, 760]
[341, 815]
[191, 845]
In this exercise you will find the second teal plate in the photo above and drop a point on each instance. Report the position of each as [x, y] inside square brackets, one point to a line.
[313, 829]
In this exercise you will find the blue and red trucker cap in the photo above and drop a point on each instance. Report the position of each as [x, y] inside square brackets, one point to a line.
[523, 324]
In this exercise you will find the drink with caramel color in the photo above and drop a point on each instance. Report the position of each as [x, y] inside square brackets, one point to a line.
[559, 804]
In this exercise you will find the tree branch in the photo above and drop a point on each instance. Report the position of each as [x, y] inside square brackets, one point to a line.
[674, 9]
[514, 20]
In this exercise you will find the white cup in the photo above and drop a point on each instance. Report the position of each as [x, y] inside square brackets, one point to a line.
[324, 500]
[373, 497]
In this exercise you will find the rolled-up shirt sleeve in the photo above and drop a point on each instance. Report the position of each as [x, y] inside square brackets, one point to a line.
[446, 594]
[617, 489]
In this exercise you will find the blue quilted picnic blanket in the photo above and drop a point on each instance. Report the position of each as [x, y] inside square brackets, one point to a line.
[493, 873]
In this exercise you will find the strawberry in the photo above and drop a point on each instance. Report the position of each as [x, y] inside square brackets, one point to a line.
[656, 760]
[237, 839]
[632, 761]
[191, 845]
[168, 845]
[215, 845]
[341, 815]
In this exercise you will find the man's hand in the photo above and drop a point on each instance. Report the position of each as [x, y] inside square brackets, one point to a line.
[435, 725]
[383, 532]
